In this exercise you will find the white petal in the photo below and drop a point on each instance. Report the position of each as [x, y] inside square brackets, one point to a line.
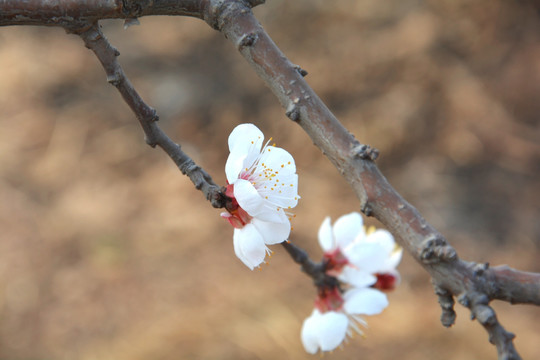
[273, 233]
[245, 143]
[234, 166]
[276, 159]
[249, 246]
[325, 331]
[347, 228]
[245, 137]
[357, 277]
[383, 238]
[281, 190]
[365, 301]
[369, 257]
[392, 261]
[248, 197]
[251, 201]
[326, 237]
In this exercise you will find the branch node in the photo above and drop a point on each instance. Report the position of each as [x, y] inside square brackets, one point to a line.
[480, 269]
[135, 8]
[130, 22]
[365, 152]
[436, 249]
[114, 79]
[446, 301]
[247, 40]
[254, 3]
[150, 141]
[293, 112]
[485, 315]
[189, 167]
[463, 299]
[367, 209]
[300, 70]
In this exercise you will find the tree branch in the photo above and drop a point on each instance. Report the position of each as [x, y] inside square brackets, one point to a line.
[95, 40]
[475, 285]
[454, 277]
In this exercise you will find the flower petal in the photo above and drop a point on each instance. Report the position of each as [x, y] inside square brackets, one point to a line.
[277, 160]
[383, 238]
[251, 201]
[281, 190]
[365, 301]
[249, 246]
[245, 143]
[326, 237]
[393, 260]
[367, 256]
[347, 228]
[248, 197]
[273, 233]
[325, 331]
[357, 277]
[245, 137]
[234, 166]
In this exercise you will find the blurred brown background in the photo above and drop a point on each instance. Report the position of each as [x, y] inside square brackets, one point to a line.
[108, 252]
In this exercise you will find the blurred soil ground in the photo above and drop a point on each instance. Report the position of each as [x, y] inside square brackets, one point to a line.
[108, 252]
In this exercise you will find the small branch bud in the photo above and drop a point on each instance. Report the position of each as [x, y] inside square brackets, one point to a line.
[247, 40]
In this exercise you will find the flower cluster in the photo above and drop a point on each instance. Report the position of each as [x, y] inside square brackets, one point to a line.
[365, 263]
[263, 184]
[359, 263]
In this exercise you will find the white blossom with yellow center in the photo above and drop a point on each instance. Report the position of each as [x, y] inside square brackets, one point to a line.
[263, 182]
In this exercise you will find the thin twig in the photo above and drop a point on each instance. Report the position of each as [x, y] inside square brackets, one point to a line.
[147, 116]
[315, 270]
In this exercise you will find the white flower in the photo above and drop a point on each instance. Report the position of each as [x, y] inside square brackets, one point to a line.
[325, 329]
[357, 257]
[263, 183]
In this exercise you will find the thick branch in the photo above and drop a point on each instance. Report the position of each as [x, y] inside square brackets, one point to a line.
[107, 55]
[68, 12]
